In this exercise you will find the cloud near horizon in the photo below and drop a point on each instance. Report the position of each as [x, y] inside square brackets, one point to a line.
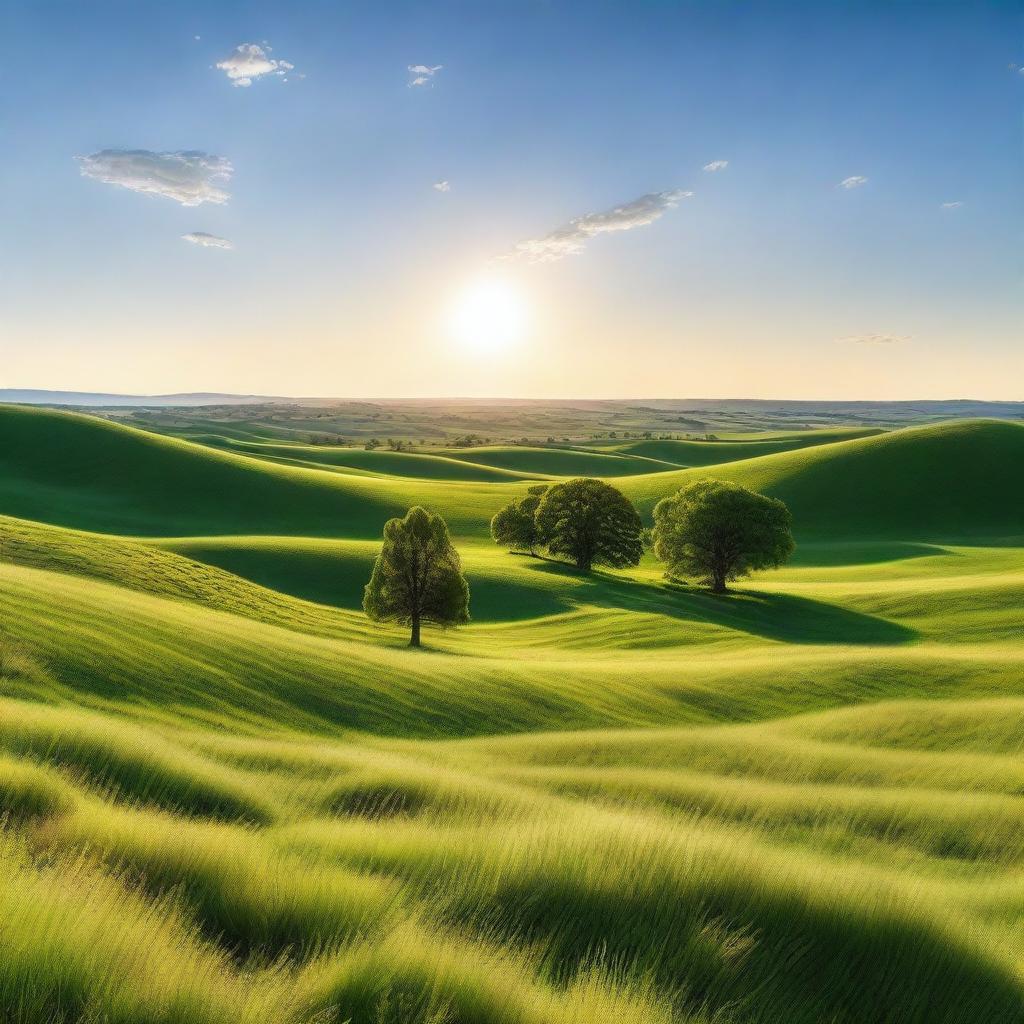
[854, 181]
[189, 177]
[875, 339]
[572, 238]
[207, 241]
[443, 186]
[251, 61]
[716, 165]
[423, 73]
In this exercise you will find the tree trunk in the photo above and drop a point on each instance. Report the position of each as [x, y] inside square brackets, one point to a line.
[414, 640]
[718, 582]
[583, 564]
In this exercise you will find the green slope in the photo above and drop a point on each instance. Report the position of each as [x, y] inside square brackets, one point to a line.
[417, 465]
[713, 453]
[557, 462]
[91, 474]
[950, 480]
[946, 481]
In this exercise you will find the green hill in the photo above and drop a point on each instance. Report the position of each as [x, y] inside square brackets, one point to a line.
[947, 480]
[88, 473]
[557, 462]
[944, 481]
[713, 453]
[378, 462]
[226, 795]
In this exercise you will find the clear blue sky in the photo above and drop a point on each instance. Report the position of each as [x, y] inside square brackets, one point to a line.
[348, 266]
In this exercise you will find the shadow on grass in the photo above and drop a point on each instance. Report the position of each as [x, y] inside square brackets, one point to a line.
[771, 615]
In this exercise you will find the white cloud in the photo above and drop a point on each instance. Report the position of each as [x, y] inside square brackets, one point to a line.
[207, 241]
[251, 61]
[422, 73]
[716, 165]
[952, 206]
[875, 339]
[442, 186]
[188, 177]
[854, 181]
[572, 238]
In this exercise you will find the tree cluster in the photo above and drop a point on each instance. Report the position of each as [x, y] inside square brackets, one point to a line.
[709, 531]
[586, 521]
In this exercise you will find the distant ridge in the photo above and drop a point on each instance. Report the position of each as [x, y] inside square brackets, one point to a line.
[26, 396]
[967, 408]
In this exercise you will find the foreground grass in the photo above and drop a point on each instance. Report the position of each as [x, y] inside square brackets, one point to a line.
[754, 873]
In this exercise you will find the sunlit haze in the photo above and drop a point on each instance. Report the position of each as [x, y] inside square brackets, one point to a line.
[488, 316]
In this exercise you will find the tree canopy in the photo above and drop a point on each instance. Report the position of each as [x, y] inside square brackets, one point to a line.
[417, 576]
[515, 525]
[591, 523]
[715, 532]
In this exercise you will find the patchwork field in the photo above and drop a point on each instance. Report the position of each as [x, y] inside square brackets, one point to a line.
[229, 796]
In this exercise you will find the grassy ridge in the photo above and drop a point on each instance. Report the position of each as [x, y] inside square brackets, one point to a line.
[943, 481]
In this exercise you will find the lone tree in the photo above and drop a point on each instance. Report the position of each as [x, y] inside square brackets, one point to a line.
[515, 525]
[591, 523]
[715, 532]
[417, 576]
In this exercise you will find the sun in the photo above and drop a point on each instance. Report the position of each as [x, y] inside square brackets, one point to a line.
[488, 316]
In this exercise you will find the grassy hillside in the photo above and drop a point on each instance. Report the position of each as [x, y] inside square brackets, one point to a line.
[945, 480]
[82, 472]
[228, 796]
[938, 482]
[447, 465]
[730, 449]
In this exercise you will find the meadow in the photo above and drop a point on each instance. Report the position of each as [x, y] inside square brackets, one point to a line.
[228, 795]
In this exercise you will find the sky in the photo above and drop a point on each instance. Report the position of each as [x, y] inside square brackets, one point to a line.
[531, 199]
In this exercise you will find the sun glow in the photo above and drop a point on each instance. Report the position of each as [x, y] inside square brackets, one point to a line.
[488, 316]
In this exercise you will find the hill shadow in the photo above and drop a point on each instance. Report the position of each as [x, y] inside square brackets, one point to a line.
[824, 554]
[774, 616]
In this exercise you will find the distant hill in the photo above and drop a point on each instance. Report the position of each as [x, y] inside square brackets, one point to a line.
[23, 396]
[939, 481]
[558, 415]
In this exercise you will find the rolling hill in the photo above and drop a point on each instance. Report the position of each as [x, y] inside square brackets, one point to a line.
[228, 796]
[944, 481]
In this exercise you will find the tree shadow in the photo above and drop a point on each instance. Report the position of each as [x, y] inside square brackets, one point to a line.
[772, 615]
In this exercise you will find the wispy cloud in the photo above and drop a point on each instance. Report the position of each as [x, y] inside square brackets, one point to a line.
[207, 241]
[251, 61]
[189, 177]
[443, 186]
[854, 181]
[875, 339]
[572, 238]
[422, 74]
[952, 206]
[716, 165]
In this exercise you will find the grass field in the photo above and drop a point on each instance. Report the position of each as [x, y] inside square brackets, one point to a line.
[228, 796]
